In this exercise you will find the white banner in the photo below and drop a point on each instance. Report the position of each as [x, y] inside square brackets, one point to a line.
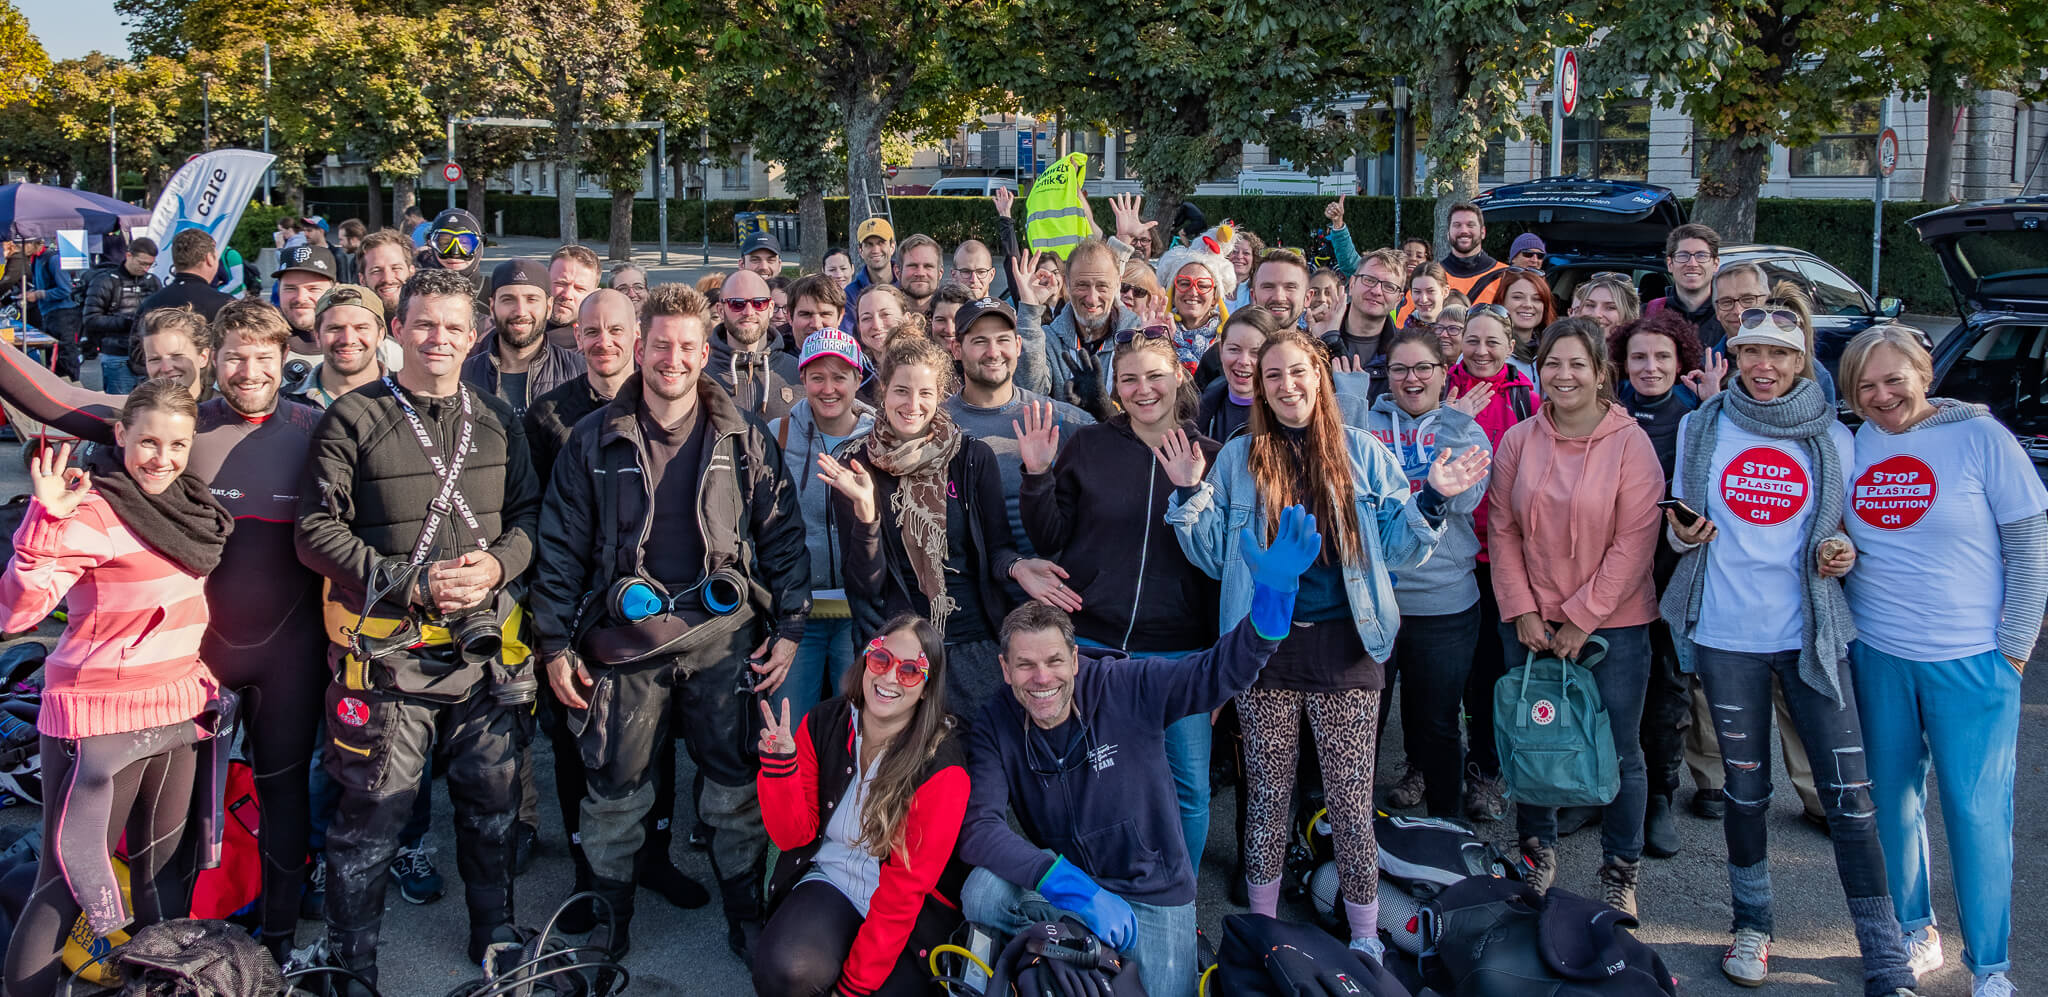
[208, 193]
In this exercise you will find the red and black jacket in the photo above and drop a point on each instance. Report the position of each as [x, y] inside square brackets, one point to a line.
[915, 904]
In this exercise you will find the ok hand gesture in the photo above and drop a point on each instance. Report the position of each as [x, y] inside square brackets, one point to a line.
[775, 736]
[1180, 458]
[1033, 286]
[1706, 382]
[1038, 439]
[58, 487]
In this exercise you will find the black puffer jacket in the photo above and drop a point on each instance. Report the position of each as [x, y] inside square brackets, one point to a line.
[550, 369]
[111, 303]
[369, 484]
[747, 513]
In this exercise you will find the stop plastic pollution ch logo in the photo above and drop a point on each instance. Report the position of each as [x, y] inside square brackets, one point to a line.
[1764, 486]
[1894, 493]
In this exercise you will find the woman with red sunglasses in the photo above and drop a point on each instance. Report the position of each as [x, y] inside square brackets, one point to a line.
[1197, 277]
[865, 799]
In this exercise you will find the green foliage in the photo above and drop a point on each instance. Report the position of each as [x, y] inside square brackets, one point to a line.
[252, 233]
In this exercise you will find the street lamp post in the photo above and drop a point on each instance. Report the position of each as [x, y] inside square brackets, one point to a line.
[704, 194]
[1400, 121]
[206, 111]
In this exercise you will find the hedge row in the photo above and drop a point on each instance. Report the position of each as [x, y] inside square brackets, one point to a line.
[1835, 230]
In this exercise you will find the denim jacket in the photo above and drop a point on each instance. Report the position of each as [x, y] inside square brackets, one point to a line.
[1210, 518]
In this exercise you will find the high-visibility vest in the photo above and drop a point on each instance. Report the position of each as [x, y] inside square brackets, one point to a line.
[1054, 220]
[1483, 281]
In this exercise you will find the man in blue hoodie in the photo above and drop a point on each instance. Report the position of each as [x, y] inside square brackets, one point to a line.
[1077, 750]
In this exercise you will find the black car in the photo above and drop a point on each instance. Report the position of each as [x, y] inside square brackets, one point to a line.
[1994, 255]
[1589, 226]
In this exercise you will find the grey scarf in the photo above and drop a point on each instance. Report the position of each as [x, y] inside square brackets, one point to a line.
[1802, 415]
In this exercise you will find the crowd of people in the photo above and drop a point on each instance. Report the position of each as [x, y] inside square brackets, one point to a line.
[957, 600]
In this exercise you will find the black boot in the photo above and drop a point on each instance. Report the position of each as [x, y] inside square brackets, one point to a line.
[355, 951]
[579, 917]
[743, 914]
[657, 870]
[1660, 832]
[616, 935]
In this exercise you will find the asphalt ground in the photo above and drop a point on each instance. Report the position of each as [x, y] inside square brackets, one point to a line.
[1683, 900]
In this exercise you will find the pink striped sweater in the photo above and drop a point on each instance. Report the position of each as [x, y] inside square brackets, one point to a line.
[129, 657]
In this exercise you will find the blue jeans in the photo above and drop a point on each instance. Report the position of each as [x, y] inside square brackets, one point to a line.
[1188, 746]
[1623, 677]
[1165, 950]
[115, 377]
[822, 656]
[1961, 719]
[1738, 689]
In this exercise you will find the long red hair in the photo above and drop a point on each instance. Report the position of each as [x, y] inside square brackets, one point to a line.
[1319, 474]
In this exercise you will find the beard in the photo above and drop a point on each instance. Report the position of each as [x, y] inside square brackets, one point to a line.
[262, 403]
[520, 332]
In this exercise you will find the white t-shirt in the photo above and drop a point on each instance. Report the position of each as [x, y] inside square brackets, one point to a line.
[1929, 582]
[1760, 496]
[839, 860]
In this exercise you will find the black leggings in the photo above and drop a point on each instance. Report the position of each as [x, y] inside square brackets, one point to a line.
[96, 788]
[802, 949]
[283, 685]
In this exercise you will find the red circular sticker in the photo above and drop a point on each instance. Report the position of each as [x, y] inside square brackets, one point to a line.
[352, 711]
[1894, 493]
[1764, 486]
[1543, 712]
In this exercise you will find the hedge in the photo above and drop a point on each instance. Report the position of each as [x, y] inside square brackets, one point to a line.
[1837, 231]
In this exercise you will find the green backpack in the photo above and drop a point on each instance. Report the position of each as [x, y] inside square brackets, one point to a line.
[1556, 743]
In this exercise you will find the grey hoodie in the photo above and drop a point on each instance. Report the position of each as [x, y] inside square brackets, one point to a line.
[801, 444]
[1443, 584]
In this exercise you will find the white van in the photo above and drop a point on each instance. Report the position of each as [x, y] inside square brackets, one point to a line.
[971, 186]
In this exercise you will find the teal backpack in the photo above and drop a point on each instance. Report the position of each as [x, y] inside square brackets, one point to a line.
[1556, 743]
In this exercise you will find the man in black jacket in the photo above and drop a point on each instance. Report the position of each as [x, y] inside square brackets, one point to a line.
[744, 357]
[672, 587]
[419, 508]
[112, 300]
[513, 360]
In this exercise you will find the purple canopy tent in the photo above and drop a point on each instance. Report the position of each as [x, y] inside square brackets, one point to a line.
[37, 211]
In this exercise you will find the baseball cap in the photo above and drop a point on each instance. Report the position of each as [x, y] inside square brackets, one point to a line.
[760, 240]
[981, 308]
[317, 260]
[349, 294]
[830, 343]
[1524, 243]
[520, 271]
[875, 227]
[1770, 327]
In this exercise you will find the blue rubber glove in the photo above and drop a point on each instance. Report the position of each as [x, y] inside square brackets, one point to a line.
[1105, 913]
[1276, 570]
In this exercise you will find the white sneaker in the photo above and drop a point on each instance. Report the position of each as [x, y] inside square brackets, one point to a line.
[1372, 947]
[1923, 951]
[1992, 985]
[1748, 960]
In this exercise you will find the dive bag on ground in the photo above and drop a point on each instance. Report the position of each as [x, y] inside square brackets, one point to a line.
[1500, 938]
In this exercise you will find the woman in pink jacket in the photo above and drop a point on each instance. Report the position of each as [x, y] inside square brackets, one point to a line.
[130, 540]
[1572, 527]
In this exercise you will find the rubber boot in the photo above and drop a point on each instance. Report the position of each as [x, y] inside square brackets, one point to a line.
[355, 951]
[616, 935]
[580, 917]
[657, 869]
[744, 916]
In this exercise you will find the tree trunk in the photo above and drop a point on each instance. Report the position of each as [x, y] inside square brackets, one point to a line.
[1942, 105]
[815, 229]
[476, 189]
[1447, 101]
[403, 196]
[375, 211]
[865, 113]
[622, 224]
[1729, 180]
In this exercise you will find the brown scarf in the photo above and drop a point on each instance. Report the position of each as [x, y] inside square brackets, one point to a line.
[919, 502]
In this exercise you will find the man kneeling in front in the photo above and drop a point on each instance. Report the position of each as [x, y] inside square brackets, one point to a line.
[1078, 750]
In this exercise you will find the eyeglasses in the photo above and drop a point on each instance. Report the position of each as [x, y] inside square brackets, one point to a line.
[456, 243]
[1422, 371]
[1742, 301]
[1691, 257]
[758, 304]
[1203, 285]
[1150, 332]
[1488, 309]
[1754, 318]
[974, 273]
[1375, 284]
[910, 672]
[1441, 328]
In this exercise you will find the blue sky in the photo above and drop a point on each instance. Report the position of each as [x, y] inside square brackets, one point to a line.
[71, 28]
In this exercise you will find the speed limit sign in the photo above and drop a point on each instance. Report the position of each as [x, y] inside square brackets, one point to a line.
[452, 172]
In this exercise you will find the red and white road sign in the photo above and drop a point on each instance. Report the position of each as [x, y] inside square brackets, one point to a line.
[1887, 152]
[1568, 81]
[452, 172]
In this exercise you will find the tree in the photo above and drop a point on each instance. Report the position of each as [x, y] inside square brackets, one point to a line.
[878, 62]
[788, 119]
[29, 137]
[1980, 46]
[620, 155]
[1192, 81]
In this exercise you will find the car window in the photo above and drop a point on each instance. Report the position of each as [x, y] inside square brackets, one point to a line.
[2005, 371]
[1779, 269]
[1833, 293]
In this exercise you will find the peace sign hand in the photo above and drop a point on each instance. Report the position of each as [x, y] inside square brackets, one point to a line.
[60, 488]
[775, 736]
[1038, 438]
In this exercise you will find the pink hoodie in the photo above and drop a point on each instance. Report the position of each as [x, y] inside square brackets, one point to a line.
[1572, 538]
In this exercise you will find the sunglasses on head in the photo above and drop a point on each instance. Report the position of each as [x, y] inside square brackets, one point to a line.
[1150, 332]
[758, 304]
[1611, 275]
[1488, 309]
[456, 243]
[910, 672]
[1754, 318]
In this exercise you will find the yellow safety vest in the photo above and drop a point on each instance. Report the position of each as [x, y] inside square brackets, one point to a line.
[1054, 220]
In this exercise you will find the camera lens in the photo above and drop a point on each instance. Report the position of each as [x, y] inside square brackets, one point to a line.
[477, 636]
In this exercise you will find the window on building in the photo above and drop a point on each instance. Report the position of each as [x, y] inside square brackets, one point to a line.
[1615, 145]
[1124, 141]
[739, 176]
[1493, 163]
[991, 149]
[1090, 142]
[1851, 151]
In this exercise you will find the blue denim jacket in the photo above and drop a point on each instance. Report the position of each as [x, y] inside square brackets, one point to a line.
[1211, 520]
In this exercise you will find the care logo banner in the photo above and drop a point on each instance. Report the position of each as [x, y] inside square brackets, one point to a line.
[208, 193]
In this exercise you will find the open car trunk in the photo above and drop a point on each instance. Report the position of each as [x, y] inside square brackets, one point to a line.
[1589, 219]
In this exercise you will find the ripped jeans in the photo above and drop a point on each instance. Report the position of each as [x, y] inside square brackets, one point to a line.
[1738, 689]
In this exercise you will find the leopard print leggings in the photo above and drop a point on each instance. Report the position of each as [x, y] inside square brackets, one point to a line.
[1346, 728]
